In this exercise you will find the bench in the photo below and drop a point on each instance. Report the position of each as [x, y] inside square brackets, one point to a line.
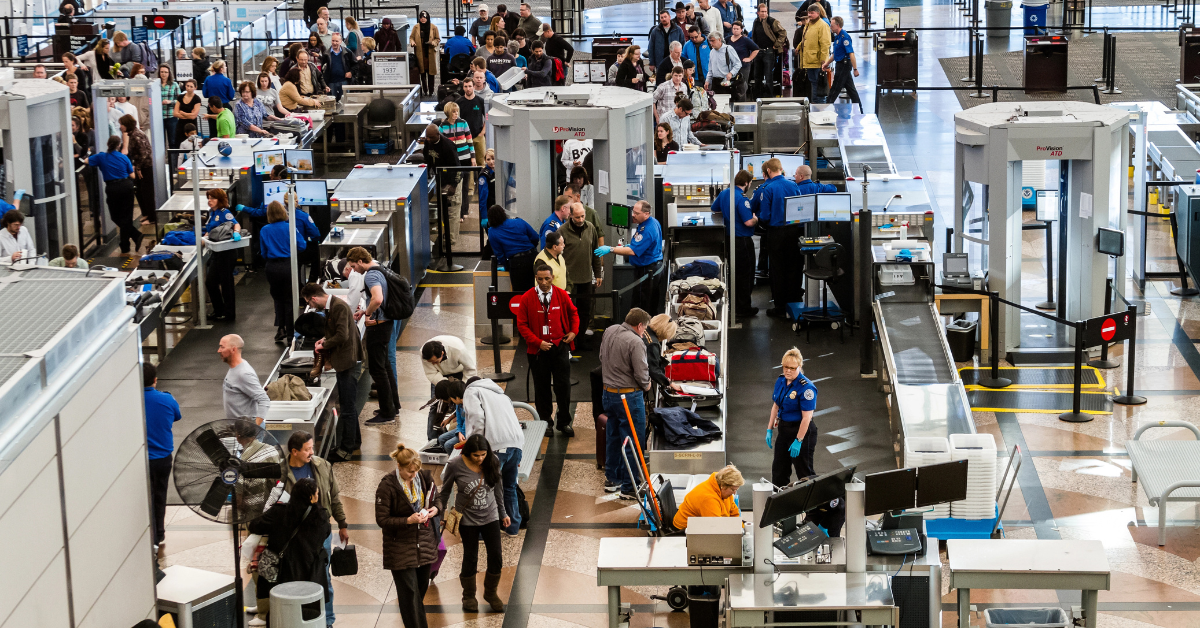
[535, 431]
[1169, 471]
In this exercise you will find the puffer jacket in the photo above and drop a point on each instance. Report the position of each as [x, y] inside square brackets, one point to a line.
[405, 545]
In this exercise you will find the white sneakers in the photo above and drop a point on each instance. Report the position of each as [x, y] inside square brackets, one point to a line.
[259, 620]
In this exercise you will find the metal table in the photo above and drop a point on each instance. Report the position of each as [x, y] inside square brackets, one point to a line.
[755, 598]
[1028, 564]
[350, 112]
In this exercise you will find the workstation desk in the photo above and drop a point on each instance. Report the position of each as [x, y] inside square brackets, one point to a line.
[794, 599]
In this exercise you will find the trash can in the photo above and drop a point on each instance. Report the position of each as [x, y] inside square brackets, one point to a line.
[960, 335]
[704, 606]
[1026, 617]
[1035, 16]
[999, 14]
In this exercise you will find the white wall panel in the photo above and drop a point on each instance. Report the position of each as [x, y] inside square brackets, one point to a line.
[102, 447]
[45, 604]
[16, 478]
[102, 382]
[32, 533]
[129, 598]
[112, 529]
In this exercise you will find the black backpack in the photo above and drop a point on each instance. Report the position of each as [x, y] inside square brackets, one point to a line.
[399, 303]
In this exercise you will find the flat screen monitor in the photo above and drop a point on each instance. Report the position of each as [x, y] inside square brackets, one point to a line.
[833, 207]
[890, 490]
[300, 161]
[618, 215]
[1110, 242]
[785, 504]
[312, 192]
[1047, 205]
[800, 209]
[828, 487]
[753, 163]
[955, 264]
[941, 483]
[275, 191]
[265, 160]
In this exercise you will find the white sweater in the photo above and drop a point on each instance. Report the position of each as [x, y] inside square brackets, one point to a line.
[458, 360]
[490, 412]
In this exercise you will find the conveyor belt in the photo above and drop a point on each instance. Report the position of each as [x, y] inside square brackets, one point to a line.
[915, 340]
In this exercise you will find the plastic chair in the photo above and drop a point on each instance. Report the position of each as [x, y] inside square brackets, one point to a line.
[381, 120]
[824, 268]
[459, 67]
[287, 601]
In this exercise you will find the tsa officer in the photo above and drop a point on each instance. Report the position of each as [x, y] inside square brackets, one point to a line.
[307, 227]
[645, 253]
[791, 430]
[843, 61]
[806, 185]
[782, 240]
[743, 243]
[557, 218]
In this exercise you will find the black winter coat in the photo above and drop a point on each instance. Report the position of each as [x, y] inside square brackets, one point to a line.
[304, 558]
[405, 545]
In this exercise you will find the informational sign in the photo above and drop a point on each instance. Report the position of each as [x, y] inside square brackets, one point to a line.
[599, 73]
[1115, 327]
[503, 305]
[162, 22]
[22, 45]
[139, 34]
[891, 18]
[389, 68]
[576, 129]
[1085, 205]
[183, 70]
[581, 73]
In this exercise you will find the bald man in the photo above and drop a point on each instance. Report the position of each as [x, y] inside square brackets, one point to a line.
[808, 186]
[242, 393]
[441, 152]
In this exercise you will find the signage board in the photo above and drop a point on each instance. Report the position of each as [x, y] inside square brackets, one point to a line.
[502, 305]
[162, 22]
[389, 68]
[22, 45]
[139, 34]
[1115, 327]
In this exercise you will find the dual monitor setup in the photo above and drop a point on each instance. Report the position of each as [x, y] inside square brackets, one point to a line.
[804, 497]
[833, 207]
[309, 192]
[297, 160]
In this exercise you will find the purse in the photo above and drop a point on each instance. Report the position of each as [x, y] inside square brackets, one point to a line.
[344, 561]
[268, 561]
[453, 517]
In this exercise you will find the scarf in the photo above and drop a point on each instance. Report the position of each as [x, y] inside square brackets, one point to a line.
[424, 27]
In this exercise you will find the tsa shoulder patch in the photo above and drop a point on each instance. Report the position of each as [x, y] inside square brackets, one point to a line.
[809, 394]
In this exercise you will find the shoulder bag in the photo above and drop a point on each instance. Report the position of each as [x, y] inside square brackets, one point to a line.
[453, 517]
[268, 561]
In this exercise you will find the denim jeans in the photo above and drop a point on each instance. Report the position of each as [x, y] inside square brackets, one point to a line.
[618, 430]
[329, 616]
[510, 461]
[814, 77]
[391, 351]
[448, 440]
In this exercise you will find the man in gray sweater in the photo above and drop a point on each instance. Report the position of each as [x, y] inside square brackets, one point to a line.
[242, 393]
[626, 378]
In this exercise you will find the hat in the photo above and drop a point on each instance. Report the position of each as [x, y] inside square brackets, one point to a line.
[679, 6]
[700, 289]
[482, 7]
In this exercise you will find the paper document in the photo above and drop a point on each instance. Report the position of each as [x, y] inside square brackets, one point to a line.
[696, 390]
[1085, 205]
[602, 181]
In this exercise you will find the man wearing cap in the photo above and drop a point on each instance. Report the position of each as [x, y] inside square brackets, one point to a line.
[661, 37]
[479, 26]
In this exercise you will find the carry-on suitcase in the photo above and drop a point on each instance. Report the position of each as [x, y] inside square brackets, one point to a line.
[601, 419]
[601, 439]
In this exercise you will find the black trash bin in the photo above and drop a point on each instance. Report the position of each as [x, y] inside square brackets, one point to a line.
[960, 335]
[704, 606]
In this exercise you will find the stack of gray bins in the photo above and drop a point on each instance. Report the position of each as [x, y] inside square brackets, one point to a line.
[782, 126]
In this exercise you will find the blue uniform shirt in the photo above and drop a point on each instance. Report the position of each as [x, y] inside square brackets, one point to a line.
[273, 241]
[217, 217]
[304, 222]
[513, 236]
[770, 200]
[112, 165]
[550, 225]
[743, 211]
[843, 46]
[794, 399]
[808, 186]
[458, 45]
[646, 243]
[162, 411]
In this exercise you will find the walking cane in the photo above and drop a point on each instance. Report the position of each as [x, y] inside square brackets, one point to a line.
[642, 459]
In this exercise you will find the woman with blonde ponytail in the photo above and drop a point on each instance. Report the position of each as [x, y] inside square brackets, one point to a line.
[405, 507]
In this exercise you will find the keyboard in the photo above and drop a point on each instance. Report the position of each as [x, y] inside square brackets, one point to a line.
[894, 542]
[801, 541]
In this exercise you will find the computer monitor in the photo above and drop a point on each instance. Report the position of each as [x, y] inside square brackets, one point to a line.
[890, 490]
[833, 207]
[312, 192]
[1110, 242]
[941, 483]
[753, 163]
[800, 209]
[300, 161]
[275, 191]
[265, 160]
[785, 504]
[618, 215]
[828, 487]
[955, 264]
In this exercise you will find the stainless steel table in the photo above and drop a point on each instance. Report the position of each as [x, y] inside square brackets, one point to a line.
[755, 598]
[352, 113]
[1028, 564]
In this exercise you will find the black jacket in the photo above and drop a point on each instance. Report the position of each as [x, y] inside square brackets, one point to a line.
[802, 12]
[627, 72]
[304, 558]
[558, 46]
[347, 64]
[682, 429]
[540, 72]
[655, 360]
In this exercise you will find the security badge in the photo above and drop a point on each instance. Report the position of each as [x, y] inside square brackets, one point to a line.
[793, 395]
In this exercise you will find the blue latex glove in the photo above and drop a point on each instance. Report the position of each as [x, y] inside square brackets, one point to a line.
[770, 433]
[794, 450]
[603, 250]
[822, 528]
[483, 223]
[237, 236]
[240, 208]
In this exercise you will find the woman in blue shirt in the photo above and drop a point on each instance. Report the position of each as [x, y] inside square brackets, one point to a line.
[795, 442]
[515, 244]
[219, 280]
[116, 169]
[276, 247]
[220, 86]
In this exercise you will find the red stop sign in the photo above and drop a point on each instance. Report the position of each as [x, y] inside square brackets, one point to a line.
[160, 22]
[1108, 329]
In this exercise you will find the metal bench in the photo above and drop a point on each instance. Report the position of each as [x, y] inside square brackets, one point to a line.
[1169, 470]
[535, 431]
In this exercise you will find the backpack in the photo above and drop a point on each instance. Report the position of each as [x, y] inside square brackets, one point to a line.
[689, 331]
[697, 306]
[399, 304]
[149, 59]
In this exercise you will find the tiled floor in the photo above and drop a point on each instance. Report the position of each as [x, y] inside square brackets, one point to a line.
[1077, 484]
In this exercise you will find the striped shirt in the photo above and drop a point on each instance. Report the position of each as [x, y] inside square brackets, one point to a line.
[460, 133]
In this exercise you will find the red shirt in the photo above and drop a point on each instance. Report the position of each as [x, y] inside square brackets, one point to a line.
[538, 324]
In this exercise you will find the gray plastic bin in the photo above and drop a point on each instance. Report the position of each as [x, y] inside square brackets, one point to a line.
[960, 335]
[999, 13]
[1027, 617]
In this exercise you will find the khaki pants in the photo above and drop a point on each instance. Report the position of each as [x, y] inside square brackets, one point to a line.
[480, 143]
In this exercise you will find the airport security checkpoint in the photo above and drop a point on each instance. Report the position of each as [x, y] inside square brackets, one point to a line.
[658, 306]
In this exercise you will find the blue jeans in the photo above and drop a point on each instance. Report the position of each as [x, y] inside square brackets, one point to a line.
[814, 77]
[448, 440]
[329, 616]
[617, 431]
[391, 351]
[509, 462]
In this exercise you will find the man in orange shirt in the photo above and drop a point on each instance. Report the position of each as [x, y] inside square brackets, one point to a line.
[712, 498]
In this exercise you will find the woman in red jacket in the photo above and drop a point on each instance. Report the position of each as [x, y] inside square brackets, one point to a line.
[549, 321]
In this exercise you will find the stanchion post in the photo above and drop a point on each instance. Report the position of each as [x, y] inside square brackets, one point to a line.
[446, 263]
[1049, 303]
[993, 380]
[496, 333]
[978, 42]
[970, 77]
[1076, 415]
[1183, 290]
[1104, 362]
[866, 367]
[1129, 398]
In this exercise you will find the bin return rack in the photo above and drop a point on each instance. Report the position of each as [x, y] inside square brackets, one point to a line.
[1168, 470]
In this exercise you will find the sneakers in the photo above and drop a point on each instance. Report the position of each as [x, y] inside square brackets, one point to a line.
[611, 487]
[629, 496]
[379, 419]
[259, 620]
[776, 312]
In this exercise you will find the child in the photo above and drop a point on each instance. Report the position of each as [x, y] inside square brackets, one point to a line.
[190, 139]
[452, 390]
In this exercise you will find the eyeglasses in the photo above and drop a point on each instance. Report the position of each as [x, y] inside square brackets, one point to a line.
[790, 368]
